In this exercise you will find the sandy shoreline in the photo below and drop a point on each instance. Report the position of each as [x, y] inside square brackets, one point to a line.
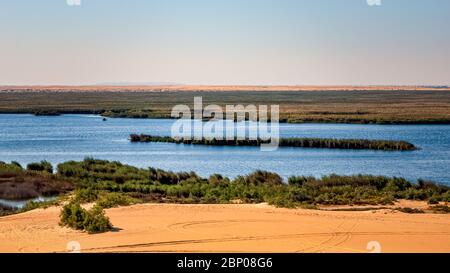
[231, 228]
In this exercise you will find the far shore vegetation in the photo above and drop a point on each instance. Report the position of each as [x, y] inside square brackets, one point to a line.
[358, 107]
[47, 113]
[384, 145]
[109, 184]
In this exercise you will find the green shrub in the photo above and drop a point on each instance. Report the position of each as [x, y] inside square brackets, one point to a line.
[281, 202]
[397, 184]
[299, 195]
[113, 199]
[86, 195]
[416, 194]
[218, 180]
[17, 164]
[43, 166]
[92, 221]
[10, 170]
[73, 216]
[96, 221]
[410, 210]
[433, 201]
[263, 177]
[72, 169]
[298, 180]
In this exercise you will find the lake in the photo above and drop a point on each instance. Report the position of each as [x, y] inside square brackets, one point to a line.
[27, 138]
[19, 204]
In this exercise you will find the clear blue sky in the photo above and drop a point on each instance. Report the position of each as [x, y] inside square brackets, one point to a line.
[320, 42]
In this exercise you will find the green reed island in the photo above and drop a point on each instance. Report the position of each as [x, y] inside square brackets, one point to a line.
[358, 144]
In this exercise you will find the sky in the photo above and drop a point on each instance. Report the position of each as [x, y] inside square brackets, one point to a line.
[225, 42]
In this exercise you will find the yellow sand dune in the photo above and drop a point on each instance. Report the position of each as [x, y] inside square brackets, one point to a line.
[232, 228]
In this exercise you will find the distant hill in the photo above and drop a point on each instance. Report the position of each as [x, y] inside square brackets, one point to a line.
[139, 84]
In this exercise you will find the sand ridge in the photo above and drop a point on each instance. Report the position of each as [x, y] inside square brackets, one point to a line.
[231, 228]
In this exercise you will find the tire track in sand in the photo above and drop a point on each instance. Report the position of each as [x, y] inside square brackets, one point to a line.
[334, 238]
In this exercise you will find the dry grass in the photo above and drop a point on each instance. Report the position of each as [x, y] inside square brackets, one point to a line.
[364, 106]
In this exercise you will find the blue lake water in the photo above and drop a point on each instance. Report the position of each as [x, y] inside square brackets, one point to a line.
[19, 204]
[27, 138]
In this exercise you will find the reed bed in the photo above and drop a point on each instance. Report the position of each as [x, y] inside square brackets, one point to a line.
[355, 144]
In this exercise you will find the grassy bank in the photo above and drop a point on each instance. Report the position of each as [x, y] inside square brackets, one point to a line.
[362, 107]
[385, 145]
[113, 183]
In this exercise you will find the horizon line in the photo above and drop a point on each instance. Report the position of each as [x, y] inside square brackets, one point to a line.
[224, 88]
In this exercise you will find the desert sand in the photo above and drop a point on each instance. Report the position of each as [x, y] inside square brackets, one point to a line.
[219, 88]
[232, 228]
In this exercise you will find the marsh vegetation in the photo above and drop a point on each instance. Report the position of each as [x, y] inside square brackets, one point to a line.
[17, 183]
[110, 184]
[362, 107]
[355, 144]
